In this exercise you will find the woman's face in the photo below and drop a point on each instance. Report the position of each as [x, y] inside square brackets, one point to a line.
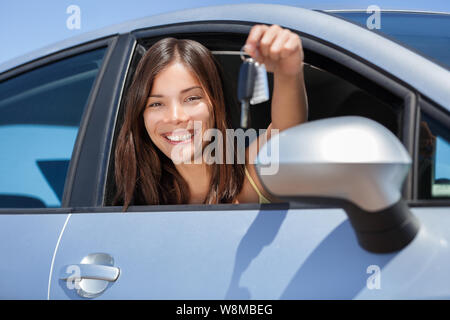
[176, 102]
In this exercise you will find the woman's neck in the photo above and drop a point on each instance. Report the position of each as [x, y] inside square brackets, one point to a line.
[198, 177]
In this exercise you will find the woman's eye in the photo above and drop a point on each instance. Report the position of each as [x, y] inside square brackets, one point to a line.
[193, 98]
[154, 104]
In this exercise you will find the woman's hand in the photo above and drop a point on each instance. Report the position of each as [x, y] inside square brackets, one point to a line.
[281, 52]
[279, 49]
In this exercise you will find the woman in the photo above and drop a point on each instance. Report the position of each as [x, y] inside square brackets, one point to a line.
[175, 98]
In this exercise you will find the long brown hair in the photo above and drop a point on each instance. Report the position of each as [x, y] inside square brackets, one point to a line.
[144, 175]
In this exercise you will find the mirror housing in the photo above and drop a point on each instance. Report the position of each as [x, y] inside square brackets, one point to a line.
[352, 162]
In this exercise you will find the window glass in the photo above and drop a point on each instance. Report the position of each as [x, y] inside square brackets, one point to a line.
[332, 91]
[434, 160]
[40, 113]
[427, 33]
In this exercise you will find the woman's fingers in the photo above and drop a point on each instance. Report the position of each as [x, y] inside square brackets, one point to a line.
[292, 44]
[253, 39]
[268, 38]
[271, 42]
[278, 46]
[275, 47]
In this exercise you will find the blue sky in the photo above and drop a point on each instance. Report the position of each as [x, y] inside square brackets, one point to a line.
[29, 25]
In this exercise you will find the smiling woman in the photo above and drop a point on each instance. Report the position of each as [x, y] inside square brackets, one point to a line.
[164, 99]
[179, 103]
[176, 99]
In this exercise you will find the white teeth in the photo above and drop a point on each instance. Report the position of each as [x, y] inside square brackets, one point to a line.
[179, 138]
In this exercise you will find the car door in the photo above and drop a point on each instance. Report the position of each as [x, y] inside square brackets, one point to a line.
[250, 251]
[41, 123]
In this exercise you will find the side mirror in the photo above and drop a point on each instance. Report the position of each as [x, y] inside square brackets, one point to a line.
[352, 162]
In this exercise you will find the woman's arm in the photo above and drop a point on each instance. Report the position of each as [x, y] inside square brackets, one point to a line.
[281, 52]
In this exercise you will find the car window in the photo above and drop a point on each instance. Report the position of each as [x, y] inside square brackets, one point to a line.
[434, 159]
[427, 33]
[331, 90]
[40, 113]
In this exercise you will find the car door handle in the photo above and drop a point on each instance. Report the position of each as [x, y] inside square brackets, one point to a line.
[89, 271]
[92, 276]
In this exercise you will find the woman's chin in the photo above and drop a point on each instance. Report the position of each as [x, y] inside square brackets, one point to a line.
[182, 153]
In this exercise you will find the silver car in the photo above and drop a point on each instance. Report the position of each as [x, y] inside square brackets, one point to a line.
[365, 183]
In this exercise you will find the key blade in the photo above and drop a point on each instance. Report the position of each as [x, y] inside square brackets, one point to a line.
[244, 114]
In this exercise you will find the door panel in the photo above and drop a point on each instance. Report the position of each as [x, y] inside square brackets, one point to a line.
[194, 255]
[27, 244]
[40, 113]
[251, 254]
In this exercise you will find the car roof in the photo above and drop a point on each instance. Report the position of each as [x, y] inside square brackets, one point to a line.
[153, 20]
[371, 46]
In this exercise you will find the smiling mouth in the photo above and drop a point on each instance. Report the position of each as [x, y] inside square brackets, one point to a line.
[177, 138]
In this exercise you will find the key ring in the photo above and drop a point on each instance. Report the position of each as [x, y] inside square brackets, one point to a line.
[242, 52]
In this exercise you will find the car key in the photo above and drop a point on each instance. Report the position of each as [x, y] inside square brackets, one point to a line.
[246, 84]
[261, 88]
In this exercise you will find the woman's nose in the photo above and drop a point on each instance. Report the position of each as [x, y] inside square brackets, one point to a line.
[177, 113]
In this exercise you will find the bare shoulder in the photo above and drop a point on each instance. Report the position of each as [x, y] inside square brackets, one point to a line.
[248, 193]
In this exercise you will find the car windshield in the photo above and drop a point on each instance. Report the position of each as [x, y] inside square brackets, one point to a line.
[425, 33]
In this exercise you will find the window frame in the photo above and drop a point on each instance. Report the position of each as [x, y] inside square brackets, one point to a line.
[392, 34]
[365, 69]
[441, 115]
[108, 44]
